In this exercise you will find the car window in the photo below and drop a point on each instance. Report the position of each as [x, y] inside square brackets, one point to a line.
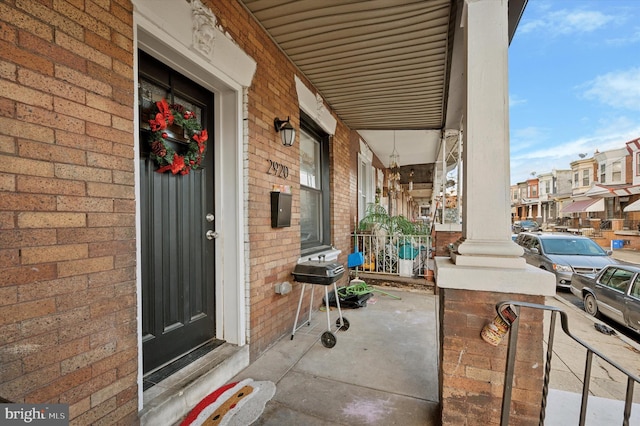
[635, 290]
[527, 241]
[604, 279]
[572, 246]
[535, 243]
[619, 279]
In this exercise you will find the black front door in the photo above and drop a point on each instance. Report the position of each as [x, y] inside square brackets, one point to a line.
[178, 264]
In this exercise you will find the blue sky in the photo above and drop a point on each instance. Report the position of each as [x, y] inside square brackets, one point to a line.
[574, 82]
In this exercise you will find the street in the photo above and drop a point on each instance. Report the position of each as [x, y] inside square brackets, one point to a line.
[569, 297]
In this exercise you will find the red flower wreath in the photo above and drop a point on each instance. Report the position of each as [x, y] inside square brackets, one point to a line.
[162, 153]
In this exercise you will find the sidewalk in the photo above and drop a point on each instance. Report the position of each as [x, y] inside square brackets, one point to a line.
[608, 386]
[627, 255]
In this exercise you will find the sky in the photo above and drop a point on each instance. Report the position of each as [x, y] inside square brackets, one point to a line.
[574, 82]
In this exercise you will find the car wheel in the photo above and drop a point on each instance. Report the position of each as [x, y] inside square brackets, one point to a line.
[590, 305]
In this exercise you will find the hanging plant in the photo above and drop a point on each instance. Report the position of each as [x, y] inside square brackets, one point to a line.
[162, 152]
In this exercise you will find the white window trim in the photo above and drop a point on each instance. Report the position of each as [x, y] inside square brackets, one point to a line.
[366, 191]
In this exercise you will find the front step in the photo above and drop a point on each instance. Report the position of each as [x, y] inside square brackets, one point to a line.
[170, 400]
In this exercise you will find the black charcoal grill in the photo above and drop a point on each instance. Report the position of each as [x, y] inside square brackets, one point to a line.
[326, 274]
[318, 272]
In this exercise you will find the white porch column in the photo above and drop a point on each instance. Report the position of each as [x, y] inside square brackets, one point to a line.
[540, 215]
[486, 233]
[485, 258]
[486, 266]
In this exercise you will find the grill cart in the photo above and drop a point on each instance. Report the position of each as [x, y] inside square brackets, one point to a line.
[325, 274]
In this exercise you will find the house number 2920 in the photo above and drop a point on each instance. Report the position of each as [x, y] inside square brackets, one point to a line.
[277, 169]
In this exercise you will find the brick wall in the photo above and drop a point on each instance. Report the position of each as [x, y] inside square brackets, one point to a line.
[67, 247]
[273, 253]
[343, 192]
[442, 239]
[472, 370]
[67, 208]
[631, 239]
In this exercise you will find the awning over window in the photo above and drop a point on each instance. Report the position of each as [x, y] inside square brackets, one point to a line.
[633, 207]
[612, 190]
[596, 205]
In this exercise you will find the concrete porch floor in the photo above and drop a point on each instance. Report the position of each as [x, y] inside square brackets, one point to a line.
[382, 370]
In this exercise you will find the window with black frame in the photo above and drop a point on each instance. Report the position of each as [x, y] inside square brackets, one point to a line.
[315, 231]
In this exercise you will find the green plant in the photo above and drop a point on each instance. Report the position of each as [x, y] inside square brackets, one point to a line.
[376, 217]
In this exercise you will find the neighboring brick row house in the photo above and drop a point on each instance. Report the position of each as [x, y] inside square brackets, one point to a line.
[111, 270]
[595, 189]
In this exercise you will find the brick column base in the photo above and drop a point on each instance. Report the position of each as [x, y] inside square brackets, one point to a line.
[472, 370]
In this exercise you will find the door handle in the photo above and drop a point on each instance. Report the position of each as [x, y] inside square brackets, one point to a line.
[211, 234]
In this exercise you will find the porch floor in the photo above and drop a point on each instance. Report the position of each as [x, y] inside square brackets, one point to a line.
[382, 370]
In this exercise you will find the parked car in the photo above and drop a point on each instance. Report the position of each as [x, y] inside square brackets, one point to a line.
[614, 292]
[525, 226]
[564, 254]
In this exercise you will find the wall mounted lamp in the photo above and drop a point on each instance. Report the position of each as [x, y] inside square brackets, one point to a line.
[287, 132]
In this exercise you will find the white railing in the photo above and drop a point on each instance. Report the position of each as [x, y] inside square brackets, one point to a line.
[403, 255]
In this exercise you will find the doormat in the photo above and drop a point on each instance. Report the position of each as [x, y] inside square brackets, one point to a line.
[239, 403]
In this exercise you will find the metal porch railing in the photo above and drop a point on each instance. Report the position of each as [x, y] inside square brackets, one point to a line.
[405, 255]
[590, 352]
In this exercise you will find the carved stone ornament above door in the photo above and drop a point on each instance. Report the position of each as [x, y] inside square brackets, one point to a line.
[204, 26]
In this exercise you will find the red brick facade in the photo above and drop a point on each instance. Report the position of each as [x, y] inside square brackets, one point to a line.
[68, 315]
[68, 310]
[472, 371]
[274, 252]
[442, 239]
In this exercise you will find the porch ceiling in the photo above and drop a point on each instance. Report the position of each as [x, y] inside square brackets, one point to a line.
[382, 65]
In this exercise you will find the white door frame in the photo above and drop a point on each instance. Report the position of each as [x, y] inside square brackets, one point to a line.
[171, 45]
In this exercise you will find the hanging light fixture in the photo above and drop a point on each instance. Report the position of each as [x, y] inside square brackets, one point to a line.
[287, 132]
[411, 180]
[394, 169]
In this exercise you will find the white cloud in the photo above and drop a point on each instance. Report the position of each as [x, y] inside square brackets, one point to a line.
[632, 38]
[515, 100]
[563, 22]
[559, 154]
[619, 89]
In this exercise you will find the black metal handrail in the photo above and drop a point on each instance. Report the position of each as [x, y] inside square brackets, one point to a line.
[564, 321]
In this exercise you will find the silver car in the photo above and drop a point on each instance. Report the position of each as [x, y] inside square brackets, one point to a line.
[614, 293]
[525, 226]
[564, 254]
